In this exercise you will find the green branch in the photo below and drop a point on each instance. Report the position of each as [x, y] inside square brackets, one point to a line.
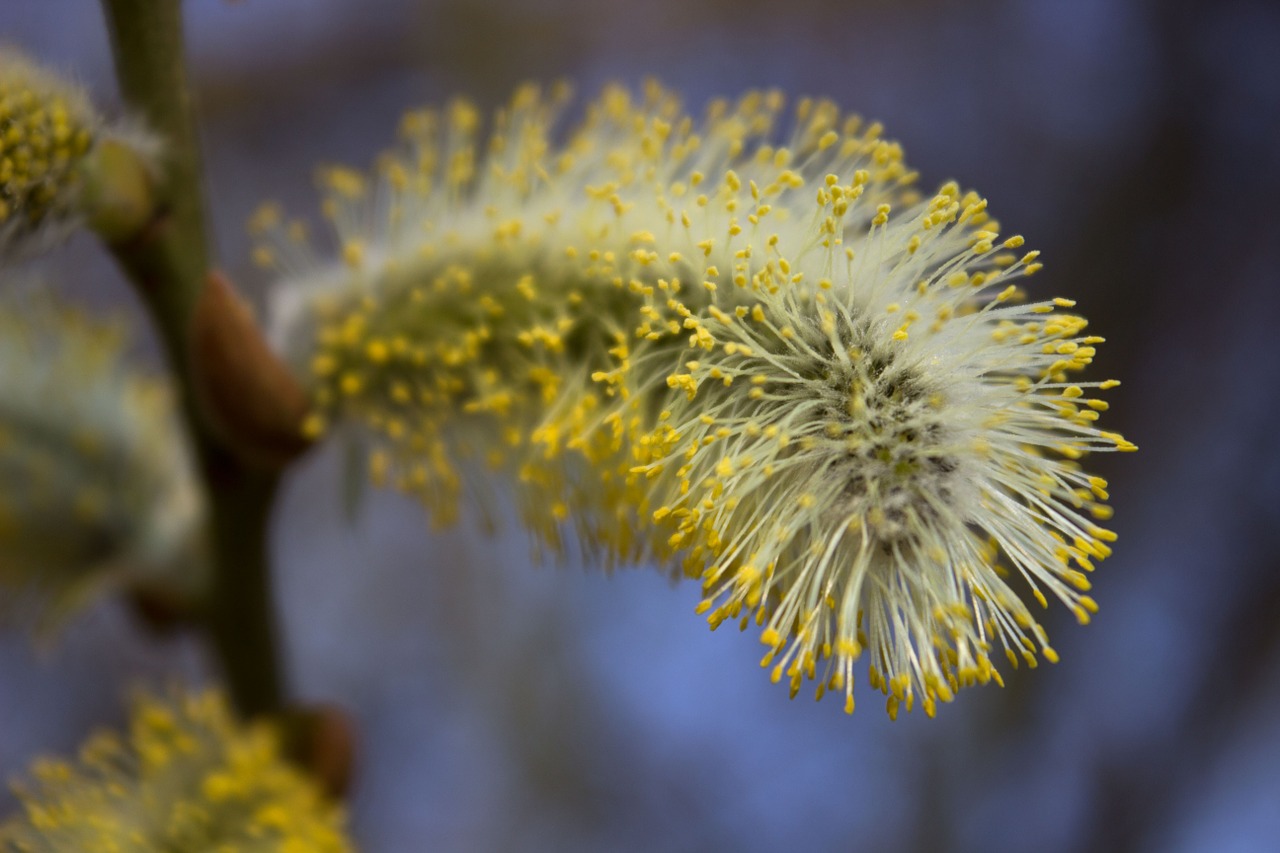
[168, 262]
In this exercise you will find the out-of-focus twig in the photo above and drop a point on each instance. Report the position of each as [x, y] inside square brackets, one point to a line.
[168, 262]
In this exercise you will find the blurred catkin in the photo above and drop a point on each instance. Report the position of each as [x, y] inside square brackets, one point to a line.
[62, 164]
[97, 488]
[188, 778]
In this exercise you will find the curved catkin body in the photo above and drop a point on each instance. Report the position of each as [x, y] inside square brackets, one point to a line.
[97, 487]
[743, 344]
[188, 776]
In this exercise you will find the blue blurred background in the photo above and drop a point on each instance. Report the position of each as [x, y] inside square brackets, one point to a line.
[503, 706]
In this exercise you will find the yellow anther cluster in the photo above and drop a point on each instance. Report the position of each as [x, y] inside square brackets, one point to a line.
[187, 777]
[769, 361]
[46, 127]
[96, 484]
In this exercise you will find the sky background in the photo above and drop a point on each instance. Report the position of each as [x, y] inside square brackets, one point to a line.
[506, 706]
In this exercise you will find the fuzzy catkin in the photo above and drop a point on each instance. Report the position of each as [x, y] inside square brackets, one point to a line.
[58, 169]
[46, 129]
[188, 777]
[98, 489]
[744, 345]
